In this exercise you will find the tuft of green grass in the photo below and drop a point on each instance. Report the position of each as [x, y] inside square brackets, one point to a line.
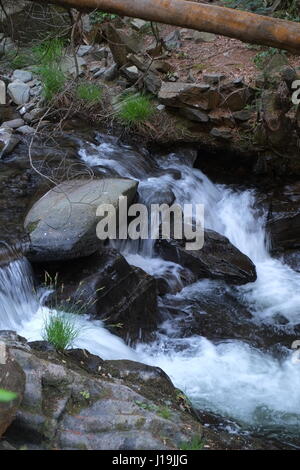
[194, 444]
[53, 80]
[60, 330]
[164, 412]
[49, 51]
[89, 92]
[135, 109]
[7, 396]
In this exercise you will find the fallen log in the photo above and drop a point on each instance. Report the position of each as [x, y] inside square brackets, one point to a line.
[242, 25]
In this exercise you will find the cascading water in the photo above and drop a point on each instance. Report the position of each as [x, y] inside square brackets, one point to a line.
[232, 378]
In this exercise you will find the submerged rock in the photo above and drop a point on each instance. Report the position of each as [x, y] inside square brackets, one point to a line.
[218, 259]
[80, 402]
[62, 224]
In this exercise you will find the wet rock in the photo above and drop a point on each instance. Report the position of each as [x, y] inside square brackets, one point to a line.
[283, 223]
[14, 124]
[62, 224]
[116, 406]
[218, 259]
[112, 290]
[19, 92]
[23, 75]
[8, 141]
[12, 378]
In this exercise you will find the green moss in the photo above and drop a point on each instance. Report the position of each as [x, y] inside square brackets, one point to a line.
[32, 226]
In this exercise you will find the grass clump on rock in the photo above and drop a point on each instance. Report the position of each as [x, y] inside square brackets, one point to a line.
[135, 109]
[53, 80]
[48, 55]
[195, 443]
[60, 330]
[89, 92]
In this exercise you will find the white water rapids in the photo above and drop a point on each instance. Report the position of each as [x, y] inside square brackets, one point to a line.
[230, 377]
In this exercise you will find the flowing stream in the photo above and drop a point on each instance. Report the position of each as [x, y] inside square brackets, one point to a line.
[256, 388]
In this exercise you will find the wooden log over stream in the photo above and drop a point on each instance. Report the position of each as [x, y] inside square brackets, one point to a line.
[242, 25]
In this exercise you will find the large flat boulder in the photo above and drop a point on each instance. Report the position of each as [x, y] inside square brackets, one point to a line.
[80, 402]
[218, 259]
[62, 224]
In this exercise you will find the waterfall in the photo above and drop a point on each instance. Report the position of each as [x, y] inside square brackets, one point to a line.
[231, 378]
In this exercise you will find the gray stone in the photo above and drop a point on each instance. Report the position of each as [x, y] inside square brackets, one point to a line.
[193, 114]
[111, 73]
[36, 91]
[213, 78]
[100, 72]
[138, 24]
[95, 68]
[14, 124]
[152, 82]
[26, 130]
[62, 224]
[243, 115]
[83, 50]
[131, 73]
[8, 141]
[101, 53]
[222, 134]
[180, 94]
[28, 117]
[173, 40]
[200, 36]
[2, 92]
[22, 75]
[19, 92]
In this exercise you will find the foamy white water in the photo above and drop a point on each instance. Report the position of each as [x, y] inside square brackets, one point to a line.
[230, 378]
